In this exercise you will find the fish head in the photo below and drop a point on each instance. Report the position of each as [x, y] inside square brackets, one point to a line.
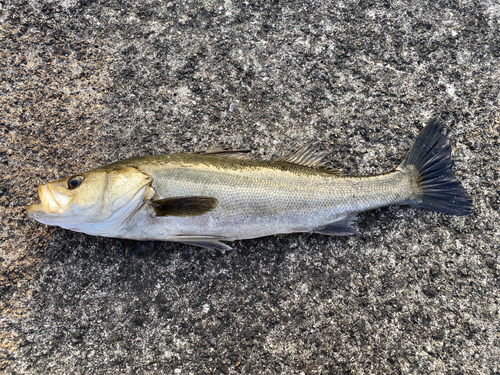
[96, 202]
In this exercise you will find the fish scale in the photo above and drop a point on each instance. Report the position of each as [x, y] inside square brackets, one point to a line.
[266, 198]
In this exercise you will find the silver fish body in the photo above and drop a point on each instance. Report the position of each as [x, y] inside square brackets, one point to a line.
[202, 199]
[256, 198]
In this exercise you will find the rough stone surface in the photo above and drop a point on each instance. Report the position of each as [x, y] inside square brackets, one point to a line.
[85, 83]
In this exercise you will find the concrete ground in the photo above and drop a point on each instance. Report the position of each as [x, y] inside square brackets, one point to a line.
[85, 82]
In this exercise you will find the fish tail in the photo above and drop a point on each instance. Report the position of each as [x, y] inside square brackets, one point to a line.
[430, 164]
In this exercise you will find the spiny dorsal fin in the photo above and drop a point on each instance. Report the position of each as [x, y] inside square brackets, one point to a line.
[225, 152]
[184, 206]
[310, 156]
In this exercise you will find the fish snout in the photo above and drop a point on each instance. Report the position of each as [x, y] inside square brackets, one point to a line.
[53, 200]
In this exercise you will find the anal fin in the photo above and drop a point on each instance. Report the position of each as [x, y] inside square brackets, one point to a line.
[343, 227]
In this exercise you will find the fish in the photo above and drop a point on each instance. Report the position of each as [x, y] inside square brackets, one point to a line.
[208, 198]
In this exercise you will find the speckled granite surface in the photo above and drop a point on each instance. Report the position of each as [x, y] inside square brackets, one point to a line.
[85, 83]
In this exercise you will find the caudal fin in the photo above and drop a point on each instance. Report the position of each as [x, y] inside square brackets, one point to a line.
[430, 155]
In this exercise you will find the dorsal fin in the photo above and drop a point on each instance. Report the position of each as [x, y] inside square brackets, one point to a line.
[225, 152]
[309, 156]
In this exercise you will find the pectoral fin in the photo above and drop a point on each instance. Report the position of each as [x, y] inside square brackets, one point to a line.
[184, 206]
[342, 227]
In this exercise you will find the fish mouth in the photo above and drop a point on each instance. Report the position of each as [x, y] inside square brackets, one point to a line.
[53, 202]
[35, 211]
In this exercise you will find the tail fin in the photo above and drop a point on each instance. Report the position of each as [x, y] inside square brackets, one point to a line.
[430, 155]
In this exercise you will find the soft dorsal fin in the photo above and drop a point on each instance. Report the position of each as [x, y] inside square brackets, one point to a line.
[184, 206]
[225, 152]
[309, 156]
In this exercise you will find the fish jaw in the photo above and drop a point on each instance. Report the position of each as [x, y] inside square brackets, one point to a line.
[37, 212]
[53, 203]
[53, 200]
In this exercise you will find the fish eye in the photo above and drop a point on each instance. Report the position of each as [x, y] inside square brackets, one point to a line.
[74, 182]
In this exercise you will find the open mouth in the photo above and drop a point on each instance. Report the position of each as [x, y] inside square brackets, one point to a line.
[53, 201]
